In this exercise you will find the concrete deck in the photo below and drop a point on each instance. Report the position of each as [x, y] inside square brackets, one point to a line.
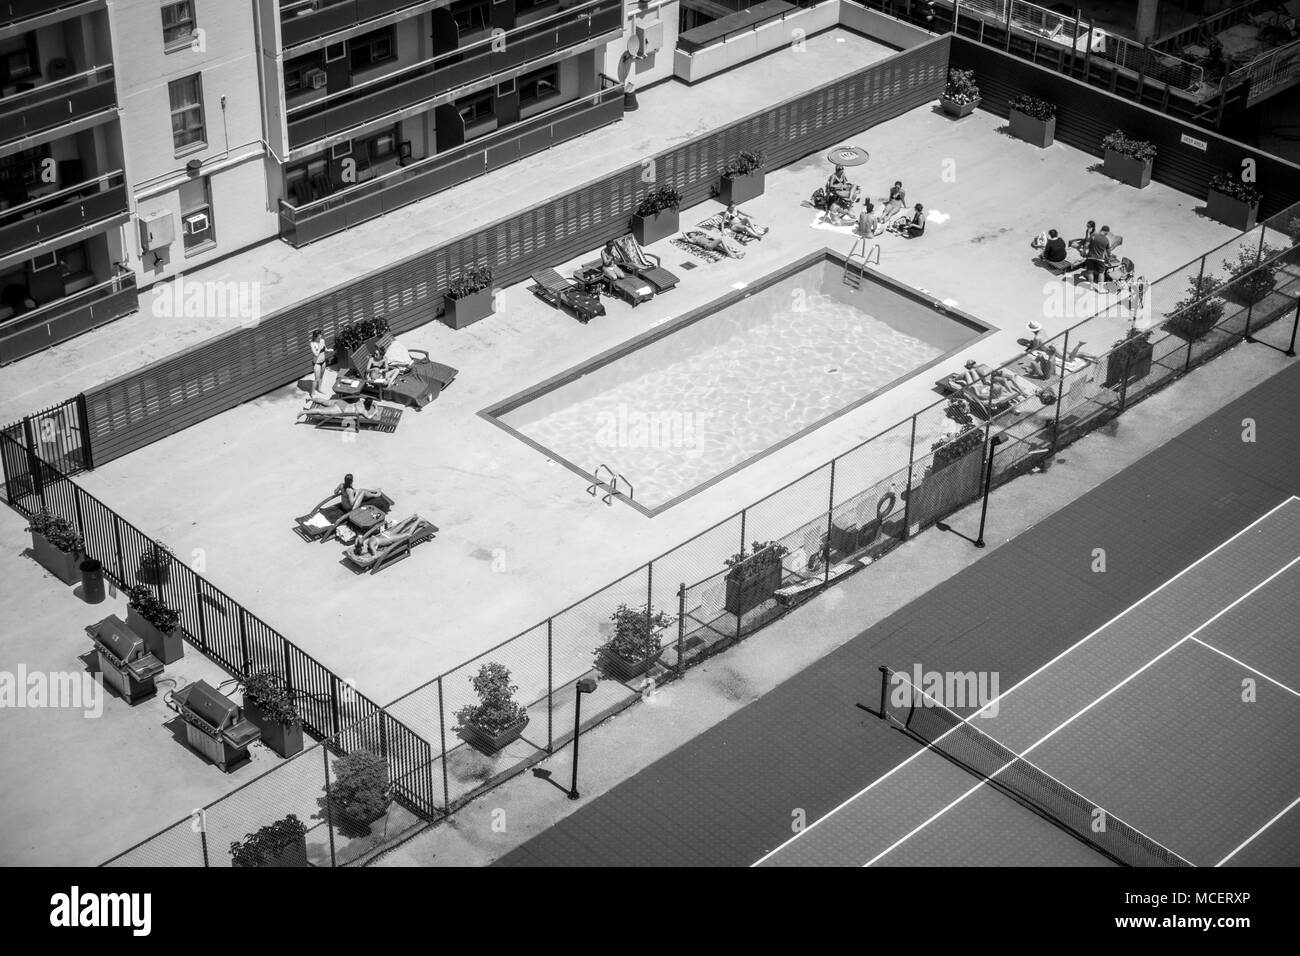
[520, 539]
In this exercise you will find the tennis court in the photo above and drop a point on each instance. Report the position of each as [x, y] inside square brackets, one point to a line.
[1164, 737]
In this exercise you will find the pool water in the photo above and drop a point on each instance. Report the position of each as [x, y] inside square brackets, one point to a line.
[732, 381]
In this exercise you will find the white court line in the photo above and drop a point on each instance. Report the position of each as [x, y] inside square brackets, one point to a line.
[1251, 838]
[1241, 663]
[1035, 673]
[1057, 729]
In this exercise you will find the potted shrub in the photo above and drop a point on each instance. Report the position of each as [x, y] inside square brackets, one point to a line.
[269, 705]
[1247, 282]
[1128, 160]
[468, 298]
[1133, 352]
[1198, 312]
[57, 546]
[360, 792]
[742, 178]
[155, 564]
[352, 335]
[279, 844]
[497, 720]
[955, 468]
[636, 644]
[754, 576]
[655, 216]
[1033, 120]
[154, 621]
[961, 95]
[1232, 202]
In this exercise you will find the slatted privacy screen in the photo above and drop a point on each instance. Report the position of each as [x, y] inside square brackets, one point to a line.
[137, 409]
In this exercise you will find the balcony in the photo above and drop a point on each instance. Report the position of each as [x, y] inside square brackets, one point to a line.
[300, 225]
[419, 84]
[79, 210]
[30, 332]
[305, 20]
[19, 11]
[89, 95]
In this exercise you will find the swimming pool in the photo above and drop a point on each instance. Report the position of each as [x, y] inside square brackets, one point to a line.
[681, 406]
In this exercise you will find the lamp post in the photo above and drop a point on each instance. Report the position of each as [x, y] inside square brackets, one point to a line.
[585, 685]
[988, 486]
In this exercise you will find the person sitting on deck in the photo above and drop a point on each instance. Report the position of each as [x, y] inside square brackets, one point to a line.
[912, 226]
[384, 535]
[741, 223]
[1055, 248]
[840, 193]
[895, 203]
[869, 224]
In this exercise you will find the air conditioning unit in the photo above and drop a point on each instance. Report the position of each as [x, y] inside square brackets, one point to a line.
[196, 224]
[47, 261]
[649, 36]
[315, 79]
[156, 231]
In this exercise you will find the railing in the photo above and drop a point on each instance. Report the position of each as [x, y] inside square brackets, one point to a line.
[744, 21]
[305, 20]
[55, 104]
[30, 332]
[1269, 72]
[78, 206]
[446, 72]
[15, 11]
[1203, 31]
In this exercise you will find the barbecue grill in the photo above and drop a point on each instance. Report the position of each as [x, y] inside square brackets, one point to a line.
[125, 662]
[215, 725]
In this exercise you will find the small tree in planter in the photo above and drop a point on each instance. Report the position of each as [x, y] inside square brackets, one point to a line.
[155, 564]
[742, 178]
[754, 576]
[636, 643]
[497, 720]
[1131, 355]
[269, 705]
[469, 297]
[279, 844]
[1128, 160]
[1249, 283]
[955, 467]
[1033, 120]
[57, 546]
[1233, 202]
[1198, 312]
[961, 95]
[360, 791]
[352, 335]
[656, 215]
[156, 623]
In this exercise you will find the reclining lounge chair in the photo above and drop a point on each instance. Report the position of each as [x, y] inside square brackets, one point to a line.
[319, 523]
[352, 419]
[395, 543]
[555, 290]
[630, 289]
[643, 265]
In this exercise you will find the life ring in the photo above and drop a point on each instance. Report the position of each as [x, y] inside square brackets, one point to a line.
[882, 512]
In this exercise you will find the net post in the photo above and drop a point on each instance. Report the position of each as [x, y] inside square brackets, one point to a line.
[1295, 324]
[681, 627]
[442, 736]
[550, 688]
[884, 689]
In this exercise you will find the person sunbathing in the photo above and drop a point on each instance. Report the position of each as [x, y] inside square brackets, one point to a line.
[971, 374]
[741, 223]
[365, 410]
[383, 536]
[714, 242]
[895, 203]
[1001, 388]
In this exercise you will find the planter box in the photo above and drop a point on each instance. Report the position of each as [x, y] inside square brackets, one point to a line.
[1231, 212]
[492, 744]
[741, 189]
[619, 669]
[944, 491]
[648, 229]
[1134, 172]
[168, 648]
[147, 573]
[284, 739]
[958, 110]
[758, 589]
[293, 853]
[1041, 133]
[1139, 364]
[473, 308]
[64, 565]
[355, 822]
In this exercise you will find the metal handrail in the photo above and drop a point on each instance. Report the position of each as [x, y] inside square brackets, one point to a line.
[118, 282]
[15, 101]
[31, 204]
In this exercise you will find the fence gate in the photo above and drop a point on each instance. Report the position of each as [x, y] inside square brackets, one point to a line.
[57, 436]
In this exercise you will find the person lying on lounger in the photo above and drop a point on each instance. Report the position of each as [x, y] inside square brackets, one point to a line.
[740, 223]
[383, 536]
[712, 241]
[972, 374]
[364, 410]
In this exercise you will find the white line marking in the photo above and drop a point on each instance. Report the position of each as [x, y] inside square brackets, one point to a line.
[1031, 676]
[1241, 663]
[1251, 838]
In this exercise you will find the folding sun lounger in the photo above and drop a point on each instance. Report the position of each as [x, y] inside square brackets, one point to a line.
[387, 421]
[398, 548]
[318, 524]
[555, 290]
[644, 265]
[629, 288]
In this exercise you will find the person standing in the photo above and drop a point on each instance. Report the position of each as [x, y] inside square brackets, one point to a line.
[319, 355]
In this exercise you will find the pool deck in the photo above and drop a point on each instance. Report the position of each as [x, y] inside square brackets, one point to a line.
[520, 539]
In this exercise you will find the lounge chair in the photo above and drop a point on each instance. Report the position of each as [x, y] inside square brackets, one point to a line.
[418, 385]
[352, 420]
[319, 523]
[562, 293]
[630, 289]
[644, 265]
[395, 544]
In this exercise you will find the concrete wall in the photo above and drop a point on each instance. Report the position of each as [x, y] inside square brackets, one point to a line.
[880, 27]
[650, 69]
[692, 67]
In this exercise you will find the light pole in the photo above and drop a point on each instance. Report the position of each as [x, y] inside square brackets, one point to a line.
[988, 486]
[585, 685]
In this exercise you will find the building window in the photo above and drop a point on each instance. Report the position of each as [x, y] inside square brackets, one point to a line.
[186, 97]
[475, 109]
[178, 25]
[371, 49]
[304, 73]
[539, 85]
[196, 215]
[472, 16]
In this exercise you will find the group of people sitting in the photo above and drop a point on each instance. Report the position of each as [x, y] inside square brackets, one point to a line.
[380, 536]
[839, 196]
[1096, 260]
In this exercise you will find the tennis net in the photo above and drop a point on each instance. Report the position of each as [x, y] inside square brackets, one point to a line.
[918, 713]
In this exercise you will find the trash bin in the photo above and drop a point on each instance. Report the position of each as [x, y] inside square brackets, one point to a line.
[92, 581]
[630, 104]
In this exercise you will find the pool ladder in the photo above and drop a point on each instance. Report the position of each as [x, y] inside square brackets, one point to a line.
[614, 479]
[852, 278]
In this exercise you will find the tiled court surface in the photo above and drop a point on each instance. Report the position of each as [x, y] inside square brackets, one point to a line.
[726, 798]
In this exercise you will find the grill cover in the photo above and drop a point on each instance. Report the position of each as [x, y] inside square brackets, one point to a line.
[219, 715]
